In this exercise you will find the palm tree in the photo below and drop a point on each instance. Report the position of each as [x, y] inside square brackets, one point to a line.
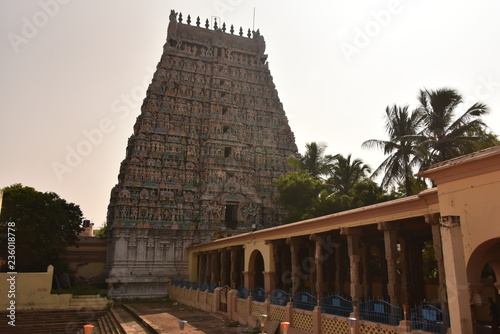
[346, 173]
[314, 160]
[443, 136]
[402, 128]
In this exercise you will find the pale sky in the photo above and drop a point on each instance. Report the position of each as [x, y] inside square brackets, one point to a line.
[73, 74]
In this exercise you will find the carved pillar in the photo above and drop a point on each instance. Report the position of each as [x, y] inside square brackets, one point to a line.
[318, 261]
[141, 247]
[233, 275]
[202, 269]
[456, 275]
[208, 273]
[433, 221]
[120, 253]
[224, 270]
[294, 249]
[338, 270]
[215, 267]
[157, 249]
[354, 250]
[366, 285]
[405, 272]
[391, 257]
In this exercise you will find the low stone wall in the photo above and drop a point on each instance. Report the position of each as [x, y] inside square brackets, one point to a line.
[31, 291]
[246, 312]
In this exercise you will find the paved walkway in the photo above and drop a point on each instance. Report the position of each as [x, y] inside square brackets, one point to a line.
[163, 317]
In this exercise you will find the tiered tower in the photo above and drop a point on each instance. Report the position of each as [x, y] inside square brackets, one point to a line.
[211, 137]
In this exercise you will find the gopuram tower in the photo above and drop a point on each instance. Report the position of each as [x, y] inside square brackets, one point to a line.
[211, 137]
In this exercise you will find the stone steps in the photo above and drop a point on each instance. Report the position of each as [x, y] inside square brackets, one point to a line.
[113, 321]
[51, 321]
[92, 301]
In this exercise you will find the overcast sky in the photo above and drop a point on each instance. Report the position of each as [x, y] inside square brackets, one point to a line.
[73, 74]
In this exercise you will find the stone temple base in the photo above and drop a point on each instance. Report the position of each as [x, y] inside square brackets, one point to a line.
[138, 287]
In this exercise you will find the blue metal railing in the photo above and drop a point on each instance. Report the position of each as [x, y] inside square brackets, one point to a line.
[380, 311]
[279, 297]
[212, 287]
[259, 295]
[243, 292]
[304, 301]
[429, 318]
[336, 305]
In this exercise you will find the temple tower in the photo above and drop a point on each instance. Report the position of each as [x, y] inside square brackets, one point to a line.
[211, 137]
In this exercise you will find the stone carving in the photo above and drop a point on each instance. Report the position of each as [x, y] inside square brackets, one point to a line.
[195, 163]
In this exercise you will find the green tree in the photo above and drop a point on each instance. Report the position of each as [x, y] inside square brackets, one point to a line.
[402, 127]
[102, 232]
[45, 225]
[345, 173]
[297, 193]
[444, 135]
[314, 160]
[430, 134]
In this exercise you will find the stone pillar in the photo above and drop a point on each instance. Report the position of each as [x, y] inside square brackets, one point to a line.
[208, 272]
[456, 275]
[405, 272]
[433, 220]
[233, 274]
[338, 271]
[391, 257]
[354, 250]
[202, 262]
[294, 249]
[269, 281]
[309, 267]
[224, 270]
[249, 279]
[318, 261]
[316, 319]
[120, 253]
[215, 267]
[366, 282]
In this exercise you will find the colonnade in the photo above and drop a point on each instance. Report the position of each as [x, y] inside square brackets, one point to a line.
[380, 260]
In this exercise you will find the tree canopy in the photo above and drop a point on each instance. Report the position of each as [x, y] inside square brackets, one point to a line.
[341, 185]
[45, 225]
[433, 132]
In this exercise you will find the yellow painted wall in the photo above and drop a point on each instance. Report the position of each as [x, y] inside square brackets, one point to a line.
[264, 248]
[476, 201]
[30, 291]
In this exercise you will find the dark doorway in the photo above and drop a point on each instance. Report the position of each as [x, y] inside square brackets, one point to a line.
[231, 215]
[259, 271]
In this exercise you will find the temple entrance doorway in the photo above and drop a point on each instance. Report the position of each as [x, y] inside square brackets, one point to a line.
[231, 215]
